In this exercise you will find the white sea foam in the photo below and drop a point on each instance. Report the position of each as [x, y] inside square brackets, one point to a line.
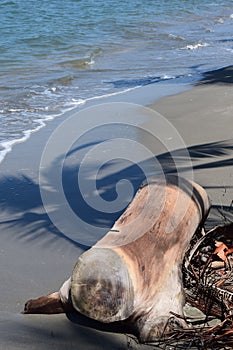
[176, 37]
[7, 145]
[220, 20]
[167, 77]
[15, 110]
[91, 62]
[76, 102]
[194, 46]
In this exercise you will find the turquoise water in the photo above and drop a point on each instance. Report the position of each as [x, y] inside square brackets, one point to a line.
[55, 55]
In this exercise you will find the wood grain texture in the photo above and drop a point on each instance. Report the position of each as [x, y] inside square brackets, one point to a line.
[134, 272]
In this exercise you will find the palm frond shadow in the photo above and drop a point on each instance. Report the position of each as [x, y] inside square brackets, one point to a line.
[20, 196]
[219, 76]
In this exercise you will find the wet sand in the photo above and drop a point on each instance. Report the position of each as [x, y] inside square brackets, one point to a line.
[36, 257]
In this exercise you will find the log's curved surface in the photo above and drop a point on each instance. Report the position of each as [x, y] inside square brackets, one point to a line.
[134, 272]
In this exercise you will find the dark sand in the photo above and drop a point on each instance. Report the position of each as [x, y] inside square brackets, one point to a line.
[35, 257]
[204, 119]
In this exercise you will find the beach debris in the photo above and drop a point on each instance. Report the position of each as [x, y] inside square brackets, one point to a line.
[209, 286]
[132, 276]
[133, 273]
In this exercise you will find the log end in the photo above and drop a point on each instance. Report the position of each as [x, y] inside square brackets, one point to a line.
[101, 287]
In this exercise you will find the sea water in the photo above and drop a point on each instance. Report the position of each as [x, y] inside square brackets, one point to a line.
[56, 55]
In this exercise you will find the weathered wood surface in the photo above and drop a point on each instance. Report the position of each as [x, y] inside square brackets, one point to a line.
[49, 304]
[134, 272]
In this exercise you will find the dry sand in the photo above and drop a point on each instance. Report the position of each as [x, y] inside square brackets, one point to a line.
[35, 257]
[204, 119]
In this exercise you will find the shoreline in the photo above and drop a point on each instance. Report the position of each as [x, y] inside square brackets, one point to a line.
[144, 94]
[35, 257]
[130, 95]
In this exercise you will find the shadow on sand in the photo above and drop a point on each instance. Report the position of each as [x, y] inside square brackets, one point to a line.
[21, 197]
[219, 76]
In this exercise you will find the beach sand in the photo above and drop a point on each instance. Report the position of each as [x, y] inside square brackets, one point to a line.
[204, 119]
[35, 257]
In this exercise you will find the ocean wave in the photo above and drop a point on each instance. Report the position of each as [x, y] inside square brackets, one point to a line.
[220, 20]
[7, 3]
[176, 37]
[50, 65]
[62, 81]
[81, 63]
[6, 146]
[194, 46]
[129, 83]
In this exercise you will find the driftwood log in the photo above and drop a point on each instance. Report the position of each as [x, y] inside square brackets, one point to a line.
[134, 272]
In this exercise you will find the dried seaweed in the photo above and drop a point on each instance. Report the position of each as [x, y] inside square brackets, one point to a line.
[208, 283]
[208, 277]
